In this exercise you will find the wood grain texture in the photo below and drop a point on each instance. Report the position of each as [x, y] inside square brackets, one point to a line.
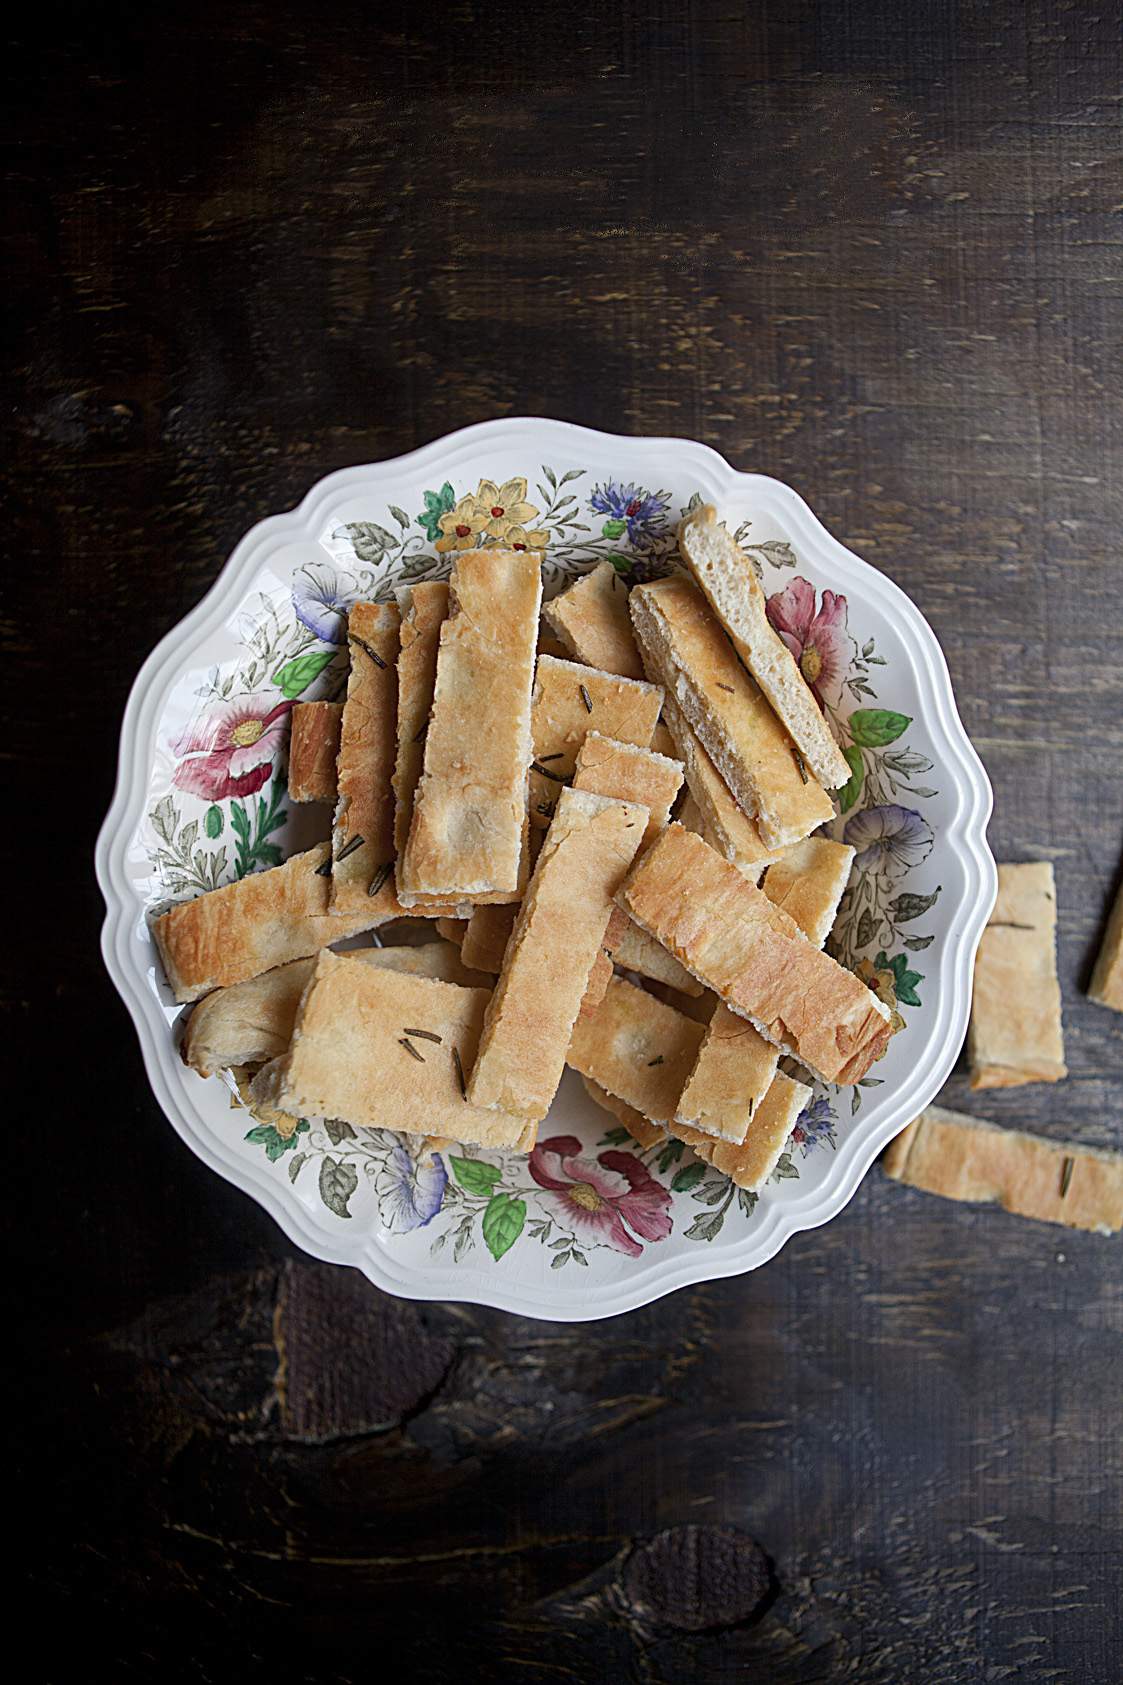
[872, 249]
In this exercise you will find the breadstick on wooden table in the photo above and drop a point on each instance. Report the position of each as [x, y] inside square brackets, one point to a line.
[685, 648]
[1106, 986]
[591, 620]
[966, 1158]
[1015, 1035]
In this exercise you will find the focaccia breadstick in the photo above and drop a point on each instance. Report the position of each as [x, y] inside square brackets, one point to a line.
[248, 927]
[629, 773]
[808, 884]
[453, 930]
[1014, 1036]
[363, 826]
[486, 937]
[1106, 986]
[423, 608]
[735, 1065]
[638, 1127]
[588, 848]
[591, 620]
[635, 950]
[569, 702]
[623, 770]
[1054, 1181]
[314, 750]
[358, 1054]
[685, 648]
[735, 836]
[751, 1162]
[249, 1023]
[637, 1048]
[468, 833]
[727, 578]
[755, 957]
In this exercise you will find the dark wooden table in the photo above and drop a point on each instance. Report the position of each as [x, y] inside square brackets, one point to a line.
[872, 248]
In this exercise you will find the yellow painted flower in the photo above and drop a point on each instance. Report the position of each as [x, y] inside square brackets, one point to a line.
[504, 507]
[519, 539]
[463, 524]
[884, 985]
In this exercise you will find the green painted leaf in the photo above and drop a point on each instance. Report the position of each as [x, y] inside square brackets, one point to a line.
[337, 1130]
[867, 929]
[873, 728]
[614, 1138]
[784, 1168]
[239, 822]
[906, 907]
[622, 563]
[614, 529]
[917, 944]
[688, 1177]
[713, 1192]
[502, 1224]
[400, 516]
[670, 1154]
[437, 503]
[213, 822]
[338, 1181]
[275, 1144]
[562, 1258]
[267, 854]
[906, 987]
[294, 1167]
[747, 1201]
[706, 1226]
[370, 541]
[852, 789]
[296, 675]
[475, 1175]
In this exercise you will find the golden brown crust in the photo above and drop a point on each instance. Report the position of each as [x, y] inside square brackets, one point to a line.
[588, 848]
[591, 621]
[634, 950]
[486, 937]
[451, 929]
[726, 576]
[363, 827]
[350, 1059]
[683, 644]
[569, 702]
[1106, 986]
[731, 1076]
[467, 837]
[755, 957]
[808, 884]
[636, 1048]
[961, 1157]
[638, 1127]
[735, 836]
[751, 1162]
[423, 609]
[251, 926]
[1015, 1035]
[250, 1023]
[313, 751]
[628, 773]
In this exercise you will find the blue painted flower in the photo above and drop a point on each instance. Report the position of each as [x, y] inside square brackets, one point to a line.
[889, 836]
[641, 514]
[814, 1126]
[320, 604]
[410, 1192]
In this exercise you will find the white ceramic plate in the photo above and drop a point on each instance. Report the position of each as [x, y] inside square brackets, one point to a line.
[486, 1227]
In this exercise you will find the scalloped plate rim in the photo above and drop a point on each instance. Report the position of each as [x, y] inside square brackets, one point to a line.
[469, 1284]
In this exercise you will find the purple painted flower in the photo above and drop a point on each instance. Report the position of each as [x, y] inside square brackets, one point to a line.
[889, 836]
[814, 1125]
[641, 514]
[410, 1192]
[319, 604]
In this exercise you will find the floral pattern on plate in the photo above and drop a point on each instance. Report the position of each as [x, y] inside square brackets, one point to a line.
[224, 811]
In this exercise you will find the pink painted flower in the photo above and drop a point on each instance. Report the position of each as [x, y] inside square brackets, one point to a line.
[595, 1198]
[230, 750]
[819, 642]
